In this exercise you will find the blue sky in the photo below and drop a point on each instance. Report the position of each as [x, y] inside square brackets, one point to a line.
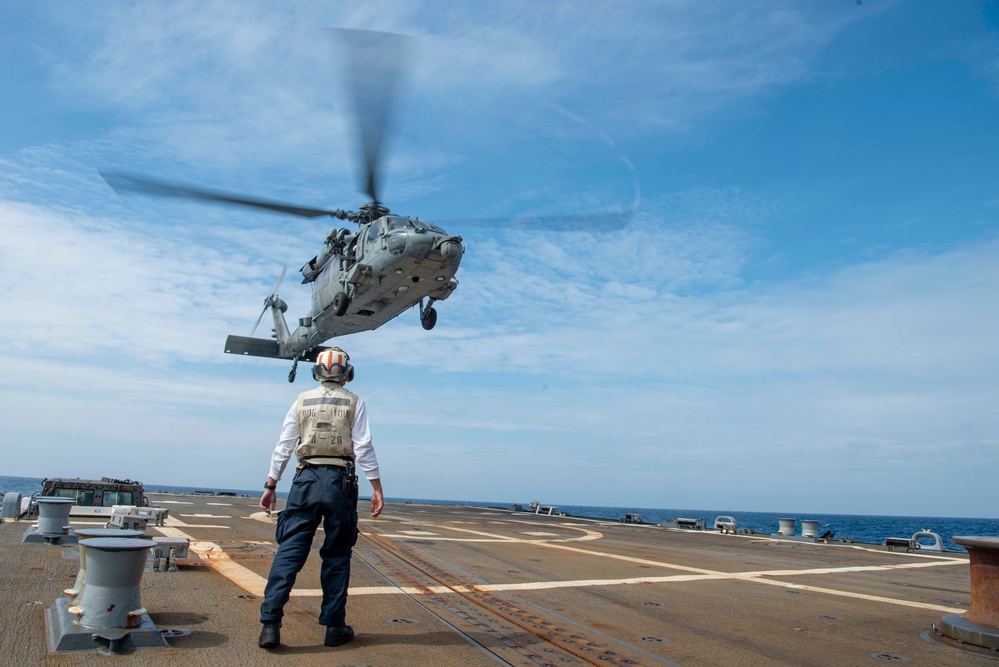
[801, 316]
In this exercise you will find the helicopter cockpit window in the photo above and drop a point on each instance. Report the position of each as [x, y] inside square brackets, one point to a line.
[375, 230]
[393, 222]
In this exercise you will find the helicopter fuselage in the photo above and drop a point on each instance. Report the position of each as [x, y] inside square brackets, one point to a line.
[387, 267]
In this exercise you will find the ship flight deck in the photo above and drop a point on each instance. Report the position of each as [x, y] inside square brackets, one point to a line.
[443, 585]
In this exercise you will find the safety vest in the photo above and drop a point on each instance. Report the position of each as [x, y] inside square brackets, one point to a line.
[325, 422]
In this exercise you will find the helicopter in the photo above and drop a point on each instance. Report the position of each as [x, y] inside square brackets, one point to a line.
[361, 278]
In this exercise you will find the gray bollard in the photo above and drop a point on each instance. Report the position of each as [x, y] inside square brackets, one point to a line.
[786, 527]
[53, 520]
[84, 533]
[110, 532]
[111, 599]
[53, 515]
[107, 615]
[11, 506]
[977, 630]
[809, 528]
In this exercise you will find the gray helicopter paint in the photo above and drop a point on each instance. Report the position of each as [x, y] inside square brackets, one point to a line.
[392, 264]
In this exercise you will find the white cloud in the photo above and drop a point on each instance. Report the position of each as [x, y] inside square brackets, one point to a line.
[236, 81]
[653, 363]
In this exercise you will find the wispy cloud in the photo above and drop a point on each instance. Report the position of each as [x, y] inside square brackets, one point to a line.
[620, 357]
[230, 83]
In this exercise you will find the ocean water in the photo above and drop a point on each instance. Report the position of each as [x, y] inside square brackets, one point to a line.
[861, 528]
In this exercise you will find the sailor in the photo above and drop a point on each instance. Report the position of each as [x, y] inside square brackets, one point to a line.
[328, 427]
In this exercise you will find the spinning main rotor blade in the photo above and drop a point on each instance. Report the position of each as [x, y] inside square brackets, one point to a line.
[267, 301]
[591, 222]
[375, 65]
[126, 183]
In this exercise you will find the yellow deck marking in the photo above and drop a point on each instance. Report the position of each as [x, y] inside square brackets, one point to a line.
[242, 576]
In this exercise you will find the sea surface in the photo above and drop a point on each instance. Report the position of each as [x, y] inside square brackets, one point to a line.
[860, 528]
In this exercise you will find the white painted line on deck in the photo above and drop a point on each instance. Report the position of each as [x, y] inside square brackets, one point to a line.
[174, 521]
[403, 536]
[588, 535]
[864, 596]
[220, 504]
[168, 531]
[88, 523]
[175, 502]
[209, 516]
[380, 590]
[253, 583]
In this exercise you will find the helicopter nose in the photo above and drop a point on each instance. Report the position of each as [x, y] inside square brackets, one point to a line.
[450, 250]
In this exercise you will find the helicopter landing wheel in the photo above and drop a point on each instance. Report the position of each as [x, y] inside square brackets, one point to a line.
[429, 319]
[340, 303]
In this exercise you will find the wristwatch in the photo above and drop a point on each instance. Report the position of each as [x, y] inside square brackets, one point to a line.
[270, 487]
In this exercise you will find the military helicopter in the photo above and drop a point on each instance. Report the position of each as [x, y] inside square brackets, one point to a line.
[361, 278]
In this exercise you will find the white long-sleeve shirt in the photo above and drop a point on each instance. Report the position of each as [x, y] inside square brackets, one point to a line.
[364, 451]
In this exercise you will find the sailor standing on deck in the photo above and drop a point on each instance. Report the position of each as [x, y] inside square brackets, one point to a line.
[329, 425]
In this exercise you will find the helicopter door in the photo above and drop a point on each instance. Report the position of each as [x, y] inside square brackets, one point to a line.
[324, 277]
[322, 296]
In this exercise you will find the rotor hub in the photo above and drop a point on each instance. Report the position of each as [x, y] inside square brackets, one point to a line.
[370, 212]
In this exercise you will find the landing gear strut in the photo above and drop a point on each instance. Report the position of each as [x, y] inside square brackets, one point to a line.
[428, 316]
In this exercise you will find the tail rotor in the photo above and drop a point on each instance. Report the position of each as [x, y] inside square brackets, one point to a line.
[271, 300]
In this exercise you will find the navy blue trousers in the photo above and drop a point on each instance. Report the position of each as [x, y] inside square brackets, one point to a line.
[317, 494]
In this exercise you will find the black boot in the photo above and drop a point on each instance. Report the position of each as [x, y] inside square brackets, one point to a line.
[270, 635]
[338, 634]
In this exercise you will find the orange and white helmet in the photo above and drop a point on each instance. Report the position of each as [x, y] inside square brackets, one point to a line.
[333, 364]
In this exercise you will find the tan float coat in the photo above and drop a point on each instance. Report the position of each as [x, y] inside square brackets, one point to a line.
[325, 420]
